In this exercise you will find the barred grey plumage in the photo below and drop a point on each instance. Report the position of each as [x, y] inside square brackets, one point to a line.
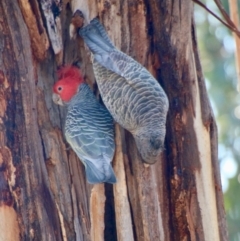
[132, 95]
[89, 129]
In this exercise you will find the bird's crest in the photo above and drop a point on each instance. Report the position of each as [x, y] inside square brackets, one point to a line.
[69, 80]
[69, 71]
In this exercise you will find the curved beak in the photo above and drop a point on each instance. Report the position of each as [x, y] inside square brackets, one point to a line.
[56, 99]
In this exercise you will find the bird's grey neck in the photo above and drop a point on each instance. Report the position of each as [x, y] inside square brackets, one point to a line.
[84, 93]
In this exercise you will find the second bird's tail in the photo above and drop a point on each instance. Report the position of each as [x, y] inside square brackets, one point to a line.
[96, 38]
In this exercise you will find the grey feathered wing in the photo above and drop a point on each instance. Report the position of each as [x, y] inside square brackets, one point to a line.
[90, 132]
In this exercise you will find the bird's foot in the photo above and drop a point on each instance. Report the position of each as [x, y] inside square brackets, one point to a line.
[77, 22]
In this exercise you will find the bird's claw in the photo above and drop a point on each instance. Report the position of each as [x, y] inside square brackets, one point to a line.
[77, 22]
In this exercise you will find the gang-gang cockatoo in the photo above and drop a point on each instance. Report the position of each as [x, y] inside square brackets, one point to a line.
[131, 94]
[89, 127]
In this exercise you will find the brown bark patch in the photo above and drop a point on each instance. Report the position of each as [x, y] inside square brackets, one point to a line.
[7, 176]
[9, 228]
[97, 203]
[38, 36]
[3, 105]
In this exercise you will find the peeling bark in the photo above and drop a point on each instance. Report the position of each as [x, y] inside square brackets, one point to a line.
[51, 10]
[37, 32]
[122, 206]
[43, 190]
[97, 203]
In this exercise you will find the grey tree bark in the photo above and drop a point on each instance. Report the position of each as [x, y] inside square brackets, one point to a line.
[43, 189]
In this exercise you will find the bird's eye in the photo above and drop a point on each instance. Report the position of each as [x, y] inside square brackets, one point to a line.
[59, 88]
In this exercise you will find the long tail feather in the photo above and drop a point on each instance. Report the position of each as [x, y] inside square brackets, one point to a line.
[102, 31]
[94, 39]
[95, 176]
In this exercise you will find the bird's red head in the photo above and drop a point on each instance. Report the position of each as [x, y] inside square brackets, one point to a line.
[69, 80]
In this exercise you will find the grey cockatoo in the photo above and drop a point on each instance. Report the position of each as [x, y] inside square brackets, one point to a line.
[131, 94]
[89, 127]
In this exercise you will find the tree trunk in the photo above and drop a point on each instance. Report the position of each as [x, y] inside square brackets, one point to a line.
[43, 190]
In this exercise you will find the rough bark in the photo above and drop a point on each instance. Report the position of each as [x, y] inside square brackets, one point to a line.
[43, 189]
